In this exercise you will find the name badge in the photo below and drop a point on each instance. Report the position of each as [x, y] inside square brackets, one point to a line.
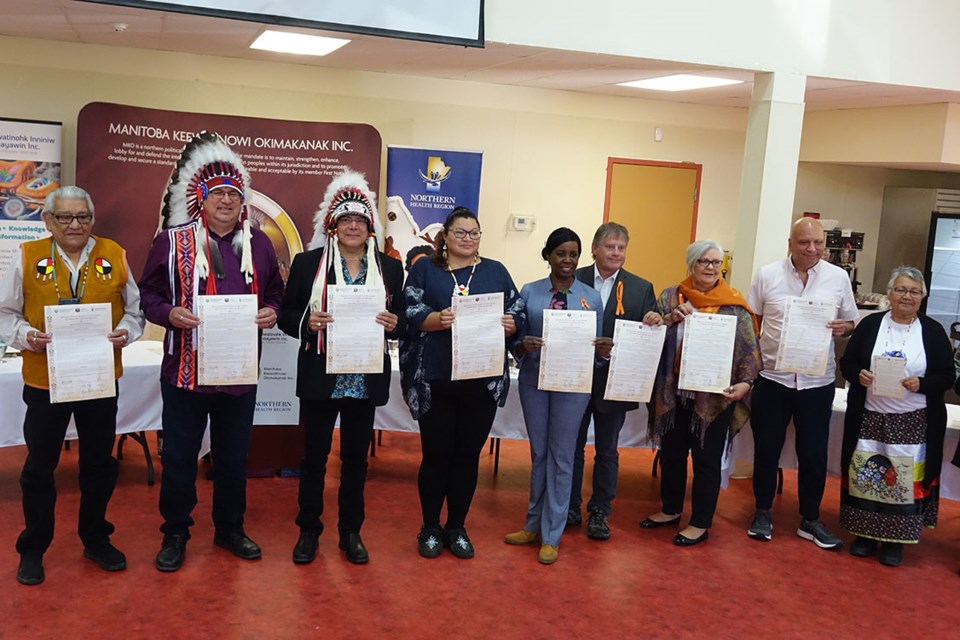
[69, 300]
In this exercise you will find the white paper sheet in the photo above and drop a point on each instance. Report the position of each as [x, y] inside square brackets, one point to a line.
[567, 357]
[80, 356]
[805, 340]
[633, 361]
[888, 371]
[227, 340]
[706, 360]
[478, 338]
[355, 341]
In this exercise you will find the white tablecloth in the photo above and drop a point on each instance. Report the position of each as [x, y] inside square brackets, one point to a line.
[139, 409]
[139, 404]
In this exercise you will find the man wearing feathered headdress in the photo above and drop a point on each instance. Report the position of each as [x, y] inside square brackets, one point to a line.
[343, 251]
[206, 247]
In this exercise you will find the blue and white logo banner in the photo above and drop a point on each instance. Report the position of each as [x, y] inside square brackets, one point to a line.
[423, 187]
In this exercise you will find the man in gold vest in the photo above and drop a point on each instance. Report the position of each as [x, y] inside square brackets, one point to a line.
[71, 267]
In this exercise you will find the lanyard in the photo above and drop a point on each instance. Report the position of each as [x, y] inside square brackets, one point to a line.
[83, 283]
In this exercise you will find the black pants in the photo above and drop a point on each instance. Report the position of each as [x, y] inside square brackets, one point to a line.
[44, 428]
[707, 459]
[452, 434]
[773, 406]
[356, 430]
[185, 415]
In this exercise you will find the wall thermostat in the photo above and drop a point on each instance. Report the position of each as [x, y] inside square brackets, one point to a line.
[520, 222]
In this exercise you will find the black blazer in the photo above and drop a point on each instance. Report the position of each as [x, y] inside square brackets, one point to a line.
[938, 378]
[638, 299]
[313, 381]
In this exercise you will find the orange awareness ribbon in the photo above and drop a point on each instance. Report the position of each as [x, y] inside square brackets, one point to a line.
[583, 303]
[620, 310]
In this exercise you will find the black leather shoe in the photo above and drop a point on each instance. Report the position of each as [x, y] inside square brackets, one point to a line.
[106, 555]
[891, 554]
[573, 517]
[353, 547]
[30, 570]
[647, 523]
[172, 550]
[683, 541]
[237, 543]
[305, 551]
[430, 542]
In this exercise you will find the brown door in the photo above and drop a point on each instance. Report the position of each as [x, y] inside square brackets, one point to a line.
[657, 203]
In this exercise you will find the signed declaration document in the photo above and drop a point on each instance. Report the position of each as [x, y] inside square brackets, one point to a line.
[888, 371]
[227, 340]
[634, 361]
[805, 339]
[355, 341]
[80, 357]
[707, 358]
[567, 356]
[478, 339]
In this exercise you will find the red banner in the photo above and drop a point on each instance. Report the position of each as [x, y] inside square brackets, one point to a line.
[125, 156]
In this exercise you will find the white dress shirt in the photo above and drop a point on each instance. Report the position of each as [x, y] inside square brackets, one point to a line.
[14, 328]
[604, 286]
[771, 287]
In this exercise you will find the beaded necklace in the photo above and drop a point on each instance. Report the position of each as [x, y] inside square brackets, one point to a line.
[463, 289]
[888, 340]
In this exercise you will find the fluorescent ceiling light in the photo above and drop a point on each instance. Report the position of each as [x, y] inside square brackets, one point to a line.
[679, 82]
[298, 43]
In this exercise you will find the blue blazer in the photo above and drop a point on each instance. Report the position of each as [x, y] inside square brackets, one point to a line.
[537, 297]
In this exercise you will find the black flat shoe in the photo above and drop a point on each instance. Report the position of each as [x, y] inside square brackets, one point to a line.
[352, 545]
[30, 570]
[107, 556]
[863, 547]
[683, 541]
[891, 554]
[305, 551]
[237, 543]
[647, 523]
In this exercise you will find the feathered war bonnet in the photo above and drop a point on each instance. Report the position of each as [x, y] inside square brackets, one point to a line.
[348, 194]
[207, 163]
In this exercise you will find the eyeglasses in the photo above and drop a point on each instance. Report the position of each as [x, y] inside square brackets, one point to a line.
[913, 293]
[66, 219]
[221, 194]
[461, 234]
[351, 220]
[703, 262]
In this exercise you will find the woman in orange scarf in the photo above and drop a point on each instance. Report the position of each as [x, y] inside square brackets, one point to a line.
[699, 422]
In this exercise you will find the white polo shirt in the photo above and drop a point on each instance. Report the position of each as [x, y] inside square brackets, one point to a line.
[768, 295]
[604, 286]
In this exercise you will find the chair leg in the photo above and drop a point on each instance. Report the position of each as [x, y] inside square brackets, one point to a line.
[656, 463]
[779, 481]
[496, 456]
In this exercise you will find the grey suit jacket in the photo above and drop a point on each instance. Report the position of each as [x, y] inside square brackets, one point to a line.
[637, 299]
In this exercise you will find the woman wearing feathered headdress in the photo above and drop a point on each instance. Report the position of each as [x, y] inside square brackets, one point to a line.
[343, 251]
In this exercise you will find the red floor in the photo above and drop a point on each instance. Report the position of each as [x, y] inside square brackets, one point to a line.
[635, 585]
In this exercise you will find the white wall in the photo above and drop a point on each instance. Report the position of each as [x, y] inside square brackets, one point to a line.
[886, 41]
[545, 152]
[854, 195]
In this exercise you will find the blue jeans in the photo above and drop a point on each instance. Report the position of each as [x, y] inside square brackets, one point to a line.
[185, 415]
[553, 422]
[606, 459]
[772, 407]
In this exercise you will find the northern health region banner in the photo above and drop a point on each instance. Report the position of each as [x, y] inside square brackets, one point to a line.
[423, 187]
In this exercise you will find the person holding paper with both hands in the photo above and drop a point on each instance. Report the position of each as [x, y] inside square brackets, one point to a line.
[343, 252]
[894, 428]
[697, 421]
[455, 416]
[72, 267]
[552, 416]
